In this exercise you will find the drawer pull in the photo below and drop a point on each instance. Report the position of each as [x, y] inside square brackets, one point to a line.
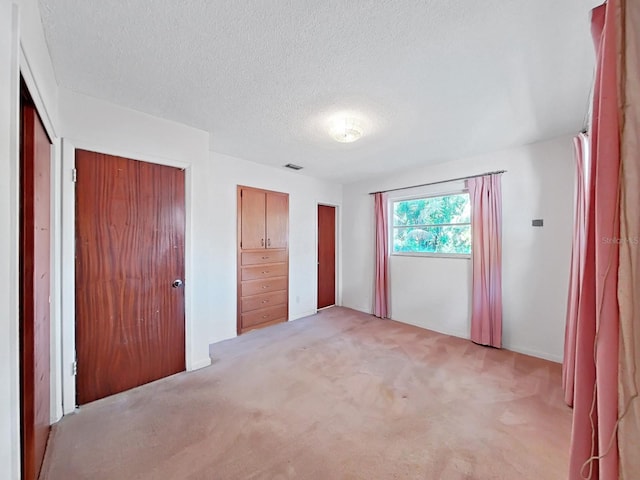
[265, 272]
[265, 301]
[265, 316]
[265, 258]
[266, 286]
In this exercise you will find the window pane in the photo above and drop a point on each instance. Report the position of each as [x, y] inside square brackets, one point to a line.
[449, 239]
[432, 210]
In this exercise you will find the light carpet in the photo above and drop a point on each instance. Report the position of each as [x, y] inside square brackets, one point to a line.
[338, 395]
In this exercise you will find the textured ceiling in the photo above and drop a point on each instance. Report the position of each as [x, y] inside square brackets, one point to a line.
[433, 80]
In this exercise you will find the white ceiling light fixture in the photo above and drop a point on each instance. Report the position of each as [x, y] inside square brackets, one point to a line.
[345, 129]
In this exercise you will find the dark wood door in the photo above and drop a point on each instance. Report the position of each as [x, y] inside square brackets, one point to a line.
[252, 219]
[277, 215]
[130, 221]
[326, 256]
[35, 249]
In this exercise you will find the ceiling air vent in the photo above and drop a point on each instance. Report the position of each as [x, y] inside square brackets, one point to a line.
[293, 167]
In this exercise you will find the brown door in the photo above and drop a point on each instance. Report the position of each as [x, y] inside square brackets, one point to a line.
[277, 215]
[326, 256]
[253, 220]
[35, 209]
[130, 221]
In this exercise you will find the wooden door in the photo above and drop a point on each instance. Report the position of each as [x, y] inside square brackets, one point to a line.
[130, 221]
[277, 217]
[35, 249]
[326, 256]
[253, 218]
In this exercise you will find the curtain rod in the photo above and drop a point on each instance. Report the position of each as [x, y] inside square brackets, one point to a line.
[440, 181]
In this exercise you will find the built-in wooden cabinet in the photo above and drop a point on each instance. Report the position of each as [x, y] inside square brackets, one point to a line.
[263, 258]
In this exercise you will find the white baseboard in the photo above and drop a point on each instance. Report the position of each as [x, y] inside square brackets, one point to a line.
[360, 308]
[513, 348]
[437, 329]
[297, 316]
[534, 353]
[204, 362]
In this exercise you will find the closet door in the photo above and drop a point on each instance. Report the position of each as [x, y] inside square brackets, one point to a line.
[263, 258]
[35, 251]
[253, 219]
[277, 216]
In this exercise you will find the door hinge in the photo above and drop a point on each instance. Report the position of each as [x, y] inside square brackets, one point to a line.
[74, 368]
[74, 175]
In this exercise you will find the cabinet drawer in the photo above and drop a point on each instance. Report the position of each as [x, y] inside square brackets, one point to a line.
[264, 300]
[263, 271]
[263, 315]
[267, 256]
[253, 287]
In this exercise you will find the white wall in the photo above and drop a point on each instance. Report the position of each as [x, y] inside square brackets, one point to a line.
[9, 451]
[210, 280]
[92, 124]
[304, 195]
[447, 307]
[434, 293]
[35, 60]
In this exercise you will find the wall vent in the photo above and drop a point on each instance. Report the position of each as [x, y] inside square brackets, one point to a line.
[293, 167]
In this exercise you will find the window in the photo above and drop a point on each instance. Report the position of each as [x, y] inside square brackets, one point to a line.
[432, 225]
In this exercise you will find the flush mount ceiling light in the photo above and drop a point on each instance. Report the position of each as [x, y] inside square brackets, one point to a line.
[345, 129]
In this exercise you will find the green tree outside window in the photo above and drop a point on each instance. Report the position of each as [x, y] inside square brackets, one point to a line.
[433, 225]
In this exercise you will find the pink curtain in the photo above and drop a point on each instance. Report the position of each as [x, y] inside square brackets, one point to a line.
[577, 264]
[486, 225]
[594, 449]
[381, 287]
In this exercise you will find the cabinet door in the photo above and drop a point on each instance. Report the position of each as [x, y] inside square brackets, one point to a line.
[253, 226]
[277, 220]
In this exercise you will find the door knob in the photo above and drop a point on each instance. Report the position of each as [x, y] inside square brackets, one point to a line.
[177, 283]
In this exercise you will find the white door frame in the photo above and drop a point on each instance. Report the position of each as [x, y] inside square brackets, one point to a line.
[68, 258]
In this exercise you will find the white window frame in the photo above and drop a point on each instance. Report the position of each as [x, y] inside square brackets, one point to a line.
[391, 226]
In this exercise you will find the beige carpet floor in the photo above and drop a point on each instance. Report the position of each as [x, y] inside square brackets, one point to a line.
[338, 395]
